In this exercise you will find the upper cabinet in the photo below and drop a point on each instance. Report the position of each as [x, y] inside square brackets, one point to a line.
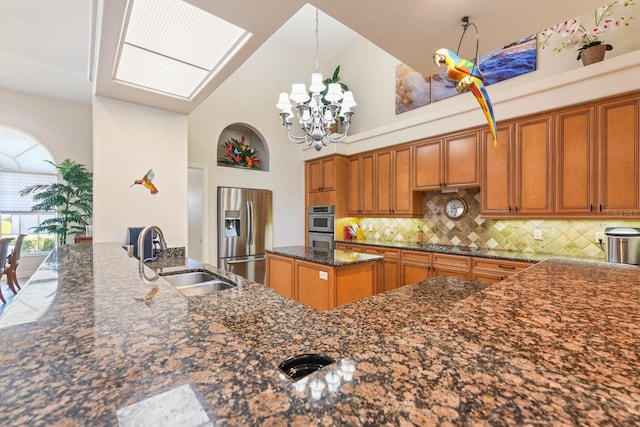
[517, 173]
[448, 162]
[361, 185]
[578, 162]
[325, 178]
[618, 187]
[393, 193]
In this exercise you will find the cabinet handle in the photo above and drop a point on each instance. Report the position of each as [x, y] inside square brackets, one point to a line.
[590, 208]
[600, 207]
[506, 267]
[516, 209]
[509, 208]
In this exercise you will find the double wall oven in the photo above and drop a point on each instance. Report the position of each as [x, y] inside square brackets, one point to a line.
[321, 226]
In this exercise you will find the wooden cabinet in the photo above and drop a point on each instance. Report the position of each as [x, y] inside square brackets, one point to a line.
[392, 184]
[449, 162]
[280, 272]
[313, 285]
[415, 266]
[517, 174]
[494, 270]
[325, 178]
[575, 151]
[361, 172]
[533, 166]
[618, 186]
[321, 286]
[389, 274]
[451, 265]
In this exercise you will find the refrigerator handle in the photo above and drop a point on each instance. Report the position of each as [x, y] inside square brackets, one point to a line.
[250, 220]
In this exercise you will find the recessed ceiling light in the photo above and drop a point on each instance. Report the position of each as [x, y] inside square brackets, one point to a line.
[173, 47]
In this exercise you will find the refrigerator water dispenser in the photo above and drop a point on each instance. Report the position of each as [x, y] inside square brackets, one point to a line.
[231, 223]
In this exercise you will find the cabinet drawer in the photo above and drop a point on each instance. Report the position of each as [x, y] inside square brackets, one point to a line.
[461, 261]
[347, 247]
[387, 253]
[500, 265]
[416, 257]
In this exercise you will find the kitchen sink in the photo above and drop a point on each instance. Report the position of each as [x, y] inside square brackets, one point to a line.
[195, 283]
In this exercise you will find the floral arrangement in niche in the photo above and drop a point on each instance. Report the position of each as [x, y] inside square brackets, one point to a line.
[239, 153]
[575, 33]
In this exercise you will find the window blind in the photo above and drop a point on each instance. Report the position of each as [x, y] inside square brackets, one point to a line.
[11, 183]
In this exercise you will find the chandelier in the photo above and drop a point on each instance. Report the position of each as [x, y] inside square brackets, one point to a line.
[319, 111]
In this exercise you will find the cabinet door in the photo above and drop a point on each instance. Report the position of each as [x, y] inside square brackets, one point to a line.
[619, 157]
[315, 169]
[383, 183]
[404, 200]
[461, 160]
[389, 277]
[533, 166]
[496, 185]
[451, 265]
[366, 182]
[314, 285]
[355, 193]
[427, 165]
[280, 275]
[416, 267]
[575, 161]
[329, 174]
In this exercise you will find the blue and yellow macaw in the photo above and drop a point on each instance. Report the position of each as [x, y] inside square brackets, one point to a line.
[468, 77]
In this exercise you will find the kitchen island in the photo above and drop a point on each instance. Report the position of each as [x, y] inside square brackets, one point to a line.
[556, 344]
[322, 278]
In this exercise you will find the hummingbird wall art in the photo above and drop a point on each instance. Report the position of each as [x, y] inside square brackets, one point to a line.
[146, 182]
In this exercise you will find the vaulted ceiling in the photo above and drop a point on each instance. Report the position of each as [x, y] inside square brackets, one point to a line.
[52, 47]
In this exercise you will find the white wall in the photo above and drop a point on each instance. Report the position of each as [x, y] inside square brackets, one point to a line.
[128, 140]
[63, 127]
[249, 96]
[559, 80]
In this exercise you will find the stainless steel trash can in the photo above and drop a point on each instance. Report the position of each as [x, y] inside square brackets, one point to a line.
[623, 245]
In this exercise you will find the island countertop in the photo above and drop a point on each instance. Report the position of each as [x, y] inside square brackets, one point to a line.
[334, 258]
[554, 344]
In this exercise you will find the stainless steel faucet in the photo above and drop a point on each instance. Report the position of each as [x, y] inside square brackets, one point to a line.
[141, 236]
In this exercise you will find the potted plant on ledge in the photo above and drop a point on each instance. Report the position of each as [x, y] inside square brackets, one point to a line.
[574, 33]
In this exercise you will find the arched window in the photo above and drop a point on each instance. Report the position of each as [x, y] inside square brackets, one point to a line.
[22, 163]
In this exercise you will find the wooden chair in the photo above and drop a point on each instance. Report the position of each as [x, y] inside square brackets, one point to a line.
[4, 249]
[12, 265]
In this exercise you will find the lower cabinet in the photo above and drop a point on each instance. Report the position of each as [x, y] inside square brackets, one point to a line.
[389, 274]
[451, 265]
[494, 270]
[415, 266]
[404, 267]
[321, 286]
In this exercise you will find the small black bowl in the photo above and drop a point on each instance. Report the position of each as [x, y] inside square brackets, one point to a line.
[301, 365]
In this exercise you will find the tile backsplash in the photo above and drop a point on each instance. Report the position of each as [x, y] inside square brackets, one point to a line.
[559, 237]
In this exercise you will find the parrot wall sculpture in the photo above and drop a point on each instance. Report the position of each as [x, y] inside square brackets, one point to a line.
[468, 77]
[146, 181]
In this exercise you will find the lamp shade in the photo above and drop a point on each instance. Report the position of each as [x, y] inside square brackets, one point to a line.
[334, 94]
[348, 100]
[283, 102]
[299, 93]
[316, 83]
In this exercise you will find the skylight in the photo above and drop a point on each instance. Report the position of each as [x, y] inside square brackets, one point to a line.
[173, 47]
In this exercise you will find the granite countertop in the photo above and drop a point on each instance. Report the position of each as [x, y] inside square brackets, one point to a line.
[556, 344]
[334, 258]
[467, 250]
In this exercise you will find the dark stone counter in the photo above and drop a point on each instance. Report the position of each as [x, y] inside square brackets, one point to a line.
[556, 344]
[334, 258]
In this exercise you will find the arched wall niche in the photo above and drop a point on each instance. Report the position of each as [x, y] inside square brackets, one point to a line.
[242, 146]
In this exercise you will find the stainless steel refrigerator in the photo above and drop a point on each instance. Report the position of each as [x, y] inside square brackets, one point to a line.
[244, 231]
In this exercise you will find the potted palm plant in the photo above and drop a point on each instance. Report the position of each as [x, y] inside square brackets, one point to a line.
[71, 200]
